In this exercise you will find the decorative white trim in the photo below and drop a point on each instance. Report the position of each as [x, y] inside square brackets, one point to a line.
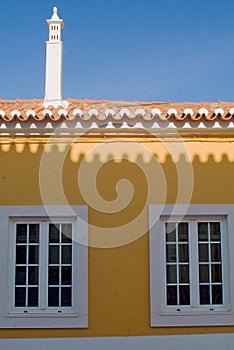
[219, 111]
[93, 112]
[47, 112]
[124, 112]
[15, 113]
[30, 113]
[109, 112]
[188, 111]
[172, 111]
[62, 113]
[156, 112]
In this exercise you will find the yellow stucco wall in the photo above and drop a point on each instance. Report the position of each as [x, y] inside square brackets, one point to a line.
[119, 302]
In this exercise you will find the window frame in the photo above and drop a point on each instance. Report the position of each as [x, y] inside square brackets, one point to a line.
[52, 317]
[163, 315]
[42, 308]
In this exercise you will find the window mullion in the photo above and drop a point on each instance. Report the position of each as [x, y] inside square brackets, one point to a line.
[26, 266]
[43, 273]
[225, 265]
[177, 268]
[60, 263]
[194, 267]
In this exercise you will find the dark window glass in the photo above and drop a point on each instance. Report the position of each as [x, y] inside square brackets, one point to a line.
[53, 296]
[33, 275]
[66, 296]
[204, 276]
[171, 252]
[204, 295]
[170, 232]
[215, 231]
[203, 252]
[66, 275]
[20, 296]
[53, 233]
[66, 254]
[54, 254]
[33, 254]
[183, 253]
[215, 252]
[34, 233]
[184, 273]
[171, 274]
[217, 294]
[32, 296]
[21, 233]
[184, 295]
[66, 233]
[183, 232]
[171, 295]
[21, 254]
[20, 275]
[53, 275]
[203, 231]
[216, 273]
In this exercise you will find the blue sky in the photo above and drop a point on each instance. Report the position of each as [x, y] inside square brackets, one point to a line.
[151, 50]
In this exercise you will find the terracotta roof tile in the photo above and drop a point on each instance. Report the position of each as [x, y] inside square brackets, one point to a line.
[103, 109]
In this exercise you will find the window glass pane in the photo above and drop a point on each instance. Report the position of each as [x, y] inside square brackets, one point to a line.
[32, 296]
[203, 252]
[171, 274]
[21, 233]
[21, 256]
[184, 273]
[66, 297]
[215, 252]
[170, 232]
[53, 233]
[217, 294]
[34, 233]
[33, 254]
[66, 233]
[53, 275]
[171, 295]
[32, 275]
[53, 296]
[204, 274]
[171, 252]
[184, 295]
[183, 232]
[216, 273]
[183, 253]
[20, 275]
[215, 231]
[203, 231]
[20, 296]
[204, 295]
[66, 275]
[54, 254]
[66, 254]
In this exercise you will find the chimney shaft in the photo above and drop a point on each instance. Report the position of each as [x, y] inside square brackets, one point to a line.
[54, 53]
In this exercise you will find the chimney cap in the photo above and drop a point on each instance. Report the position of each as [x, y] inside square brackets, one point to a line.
[55, 18]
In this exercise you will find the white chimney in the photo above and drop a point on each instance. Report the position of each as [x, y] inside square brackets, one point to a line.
[54, 53]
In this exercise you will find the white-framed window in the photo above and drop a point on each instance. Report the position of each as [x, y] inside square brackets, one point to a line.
[46, 266]
[190, 266]
[195, 264]
[43, 271]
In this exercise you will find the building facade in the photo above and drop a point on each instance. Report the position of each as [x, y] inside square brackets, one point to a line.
[116, 218]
